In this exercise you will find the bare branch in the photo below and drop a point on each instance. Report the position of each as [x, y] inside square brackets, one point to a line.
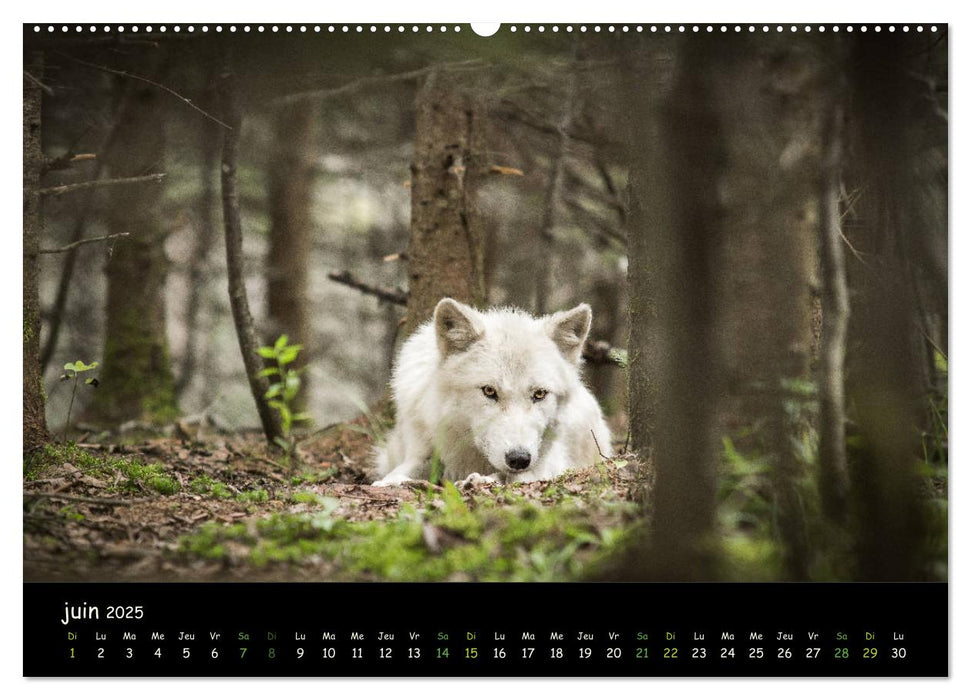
[39, 84]
[370, 81]
[393, 296]
[63, 162]
[126, 74]
[83, 241]
[606, 231]
[62, 189]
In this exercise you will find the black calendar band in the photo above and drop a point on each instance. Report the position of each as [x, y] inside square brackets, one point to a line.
[480, 629]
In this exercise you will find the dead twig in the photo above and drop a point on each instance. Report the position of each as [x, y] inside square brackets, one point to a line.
[83, 241]
[126, 74]
[39, 84]
[393, 296]
[88, 184]
[372, 80]
[86, 499]
[63, 162]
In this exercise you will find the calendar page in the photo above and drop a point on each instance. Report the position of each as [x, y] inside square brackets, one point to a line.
[520, 350]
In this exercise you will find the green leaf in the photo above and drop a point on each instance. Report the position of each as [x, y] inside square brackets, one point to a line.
[79, 366]
[273, 391]
[268, 372]
[289, 354]
[281, 342]
[301, 416]
[268, 353]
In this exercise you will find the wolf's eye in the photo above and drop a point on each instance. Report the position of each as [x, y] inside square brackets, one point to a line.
[490, 392]
[539, 395]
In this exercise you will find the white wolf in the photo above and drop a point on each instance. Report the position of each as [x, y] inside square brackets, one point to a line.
[495, 393]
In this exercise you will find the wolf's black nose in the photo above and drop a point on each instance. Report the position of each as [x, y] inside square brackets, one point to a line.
[518, 459]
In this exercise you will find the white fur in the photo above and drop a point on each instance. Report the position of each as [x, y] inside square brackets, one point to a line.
[438, 385]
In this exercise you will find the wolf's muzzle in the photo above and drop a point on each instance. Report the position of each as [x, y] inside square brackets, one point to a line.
[518, 459]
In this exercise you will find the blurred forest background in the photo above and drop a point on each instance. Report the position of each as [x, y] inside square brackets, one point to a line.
[758, 221]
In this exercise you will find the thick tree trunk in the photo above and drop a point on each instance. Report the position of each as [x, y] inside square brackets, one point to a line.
[35, 422]
[672, 301]
[771, 116]
[884, 372]
[291, 195]
[245, 331]
[137, 381]
[446, 245]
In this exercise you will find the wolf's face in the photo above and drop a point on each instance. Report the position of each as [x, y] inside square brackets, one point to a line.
[506, 376]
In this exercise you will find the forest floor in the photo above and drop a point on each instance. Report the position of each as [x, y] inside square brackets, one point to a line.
[227, 508]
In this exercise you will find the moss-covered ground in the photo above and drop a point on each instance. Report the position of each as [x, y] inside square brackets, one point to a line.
[229, 508]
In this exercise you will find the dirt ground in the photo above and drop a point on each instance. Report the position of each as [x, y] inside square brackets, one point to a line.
[101, 520]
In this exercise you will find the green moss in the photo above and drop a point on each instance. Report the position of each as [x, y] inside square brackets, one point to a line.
[480, 540]
[207, 486]
[137, 366]
[254, 496]
[163, 484]
[306, 497]
[126, 473]
[313, 477]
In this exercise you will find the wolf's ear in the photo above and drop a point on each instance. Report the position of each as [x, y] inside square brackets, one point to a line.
[457, 326]
[569, 330]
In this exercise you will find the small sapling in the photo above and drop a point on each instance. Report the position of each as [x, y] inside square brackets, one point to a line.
[73, 370]
[284, 388]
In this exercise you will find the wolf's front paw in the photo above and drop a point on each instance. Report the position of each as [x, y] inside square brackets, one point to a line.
[394, 480]
[475, 479]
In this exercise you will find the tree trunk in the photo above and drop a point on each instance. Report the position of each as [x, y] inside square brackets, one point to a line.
[446, 245]
[137, 381]
[245, 331]
[833, 477]
[768, 104]
[35, 422]
[554, 192]
[291, 195]
[883, 367]
[672, 302]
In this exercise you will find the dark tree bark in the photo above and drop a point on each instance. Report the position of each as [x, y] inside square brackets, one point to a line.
[446, 245]
[768, 102]
[671, 284]
[137, 382]
[245, 331]
[884, 364]
[35, 422]
[291, 195]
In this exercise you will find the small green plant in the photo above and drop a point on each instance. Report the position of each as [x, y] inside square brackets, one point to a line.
[283, 391]
[73, 370]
